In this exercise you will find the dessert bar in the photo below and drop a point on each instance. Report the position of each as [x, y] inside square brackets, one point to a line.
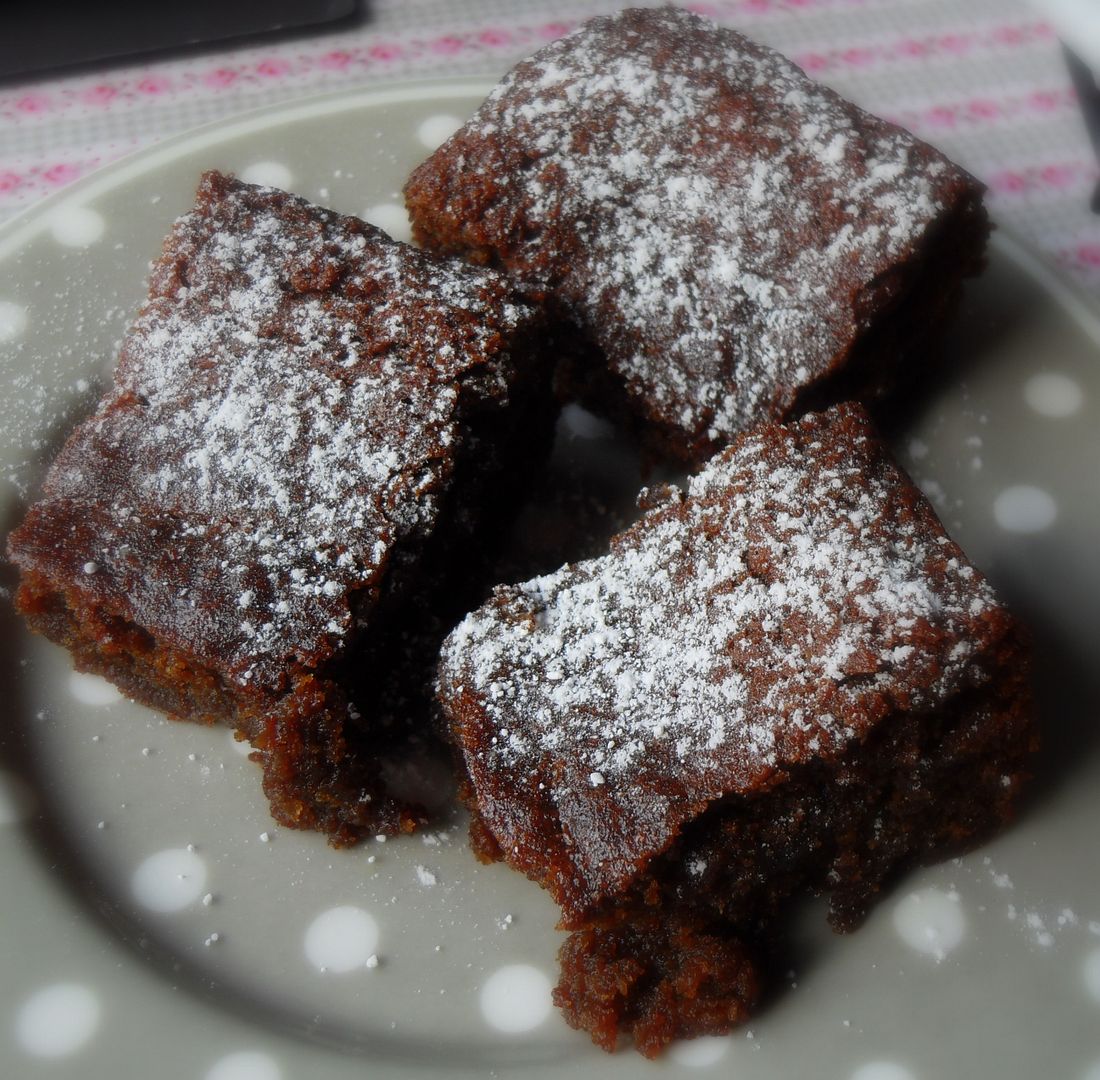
[726, 240]
[784, 678]
[306, 423]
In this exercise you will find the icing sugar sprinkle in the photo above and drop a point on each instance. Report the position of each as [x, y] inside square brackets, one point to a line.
[711, 195]
[280, 423]
[773, 611]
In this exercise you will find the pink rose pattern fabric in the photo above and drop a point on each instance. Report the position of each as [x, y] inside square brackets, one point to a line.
[985, 80]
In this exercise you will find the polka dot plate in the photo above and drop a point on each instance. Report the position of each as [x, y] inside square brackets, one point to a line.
[156, 921]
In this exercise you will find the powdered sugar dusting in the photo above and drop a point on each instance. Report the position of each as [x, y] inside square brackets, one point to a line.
[707, 213]
[797, 592]
[281, 423]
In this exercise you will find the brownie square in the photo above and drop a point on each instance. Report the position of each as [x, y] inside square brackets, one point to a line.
[728, 241]
[306, 417]
[786, 677]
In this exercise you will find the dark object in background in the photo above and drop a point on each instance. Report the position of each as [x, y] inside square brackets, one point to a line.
[41, 37]
[1088, 93]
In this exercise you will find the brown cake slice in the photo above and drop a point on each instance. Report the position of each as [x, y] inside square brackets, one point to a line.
[785, 678]
[730, 241]
[306, 422]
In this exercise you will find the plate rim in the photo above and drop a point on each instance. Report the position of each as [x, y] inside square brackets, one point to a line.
[25, 223]
[1072, 297]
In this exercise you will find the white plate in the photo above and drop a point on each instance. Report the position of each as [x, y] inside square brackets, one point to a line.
[116, 966]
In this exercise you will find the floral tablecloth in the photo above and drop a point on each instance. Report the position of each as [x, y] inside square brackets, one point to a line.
[986, 80]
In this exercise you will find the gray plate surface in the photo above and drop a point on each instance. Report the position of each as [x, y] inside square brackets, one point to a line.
[156, 922]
